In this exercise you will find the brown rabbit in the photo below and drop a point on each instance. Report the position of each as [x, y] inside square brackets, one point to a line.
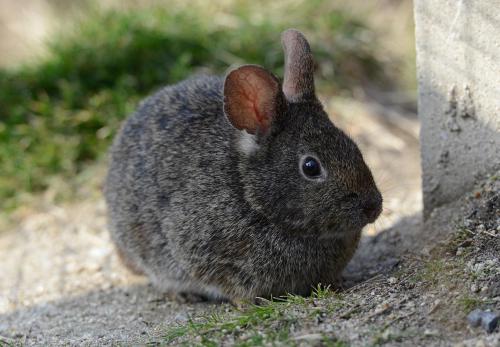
[239, 187]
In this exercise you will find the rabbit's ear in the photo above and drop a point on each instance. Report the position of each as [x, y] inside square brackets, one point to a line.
[252, 98]
[298, 83]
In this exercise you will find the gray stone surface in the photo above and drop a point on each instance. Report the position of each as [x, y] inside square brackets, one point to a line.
[458, 68]
[489, 322]
[474, 318]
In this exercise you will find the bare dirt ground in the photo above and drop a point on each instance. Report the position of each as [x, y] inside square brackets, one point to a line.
[61, 282]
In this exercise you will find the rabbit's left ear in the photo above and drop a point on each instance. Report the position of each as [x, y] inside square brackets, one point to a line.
[252, 98]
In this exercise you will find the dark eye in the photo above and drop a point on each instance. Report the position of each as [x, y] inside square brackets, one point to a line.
[311, 167]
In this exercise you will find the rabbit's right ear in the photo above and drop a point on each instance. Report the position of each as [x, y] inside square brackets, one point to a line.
[252, 98]
[298, 83]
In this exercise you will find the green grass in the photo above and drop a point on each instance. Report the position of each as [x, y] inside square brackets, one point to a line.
[468, 303]
[61, 112]
[6, 343]
[432, 272]
[269, 323]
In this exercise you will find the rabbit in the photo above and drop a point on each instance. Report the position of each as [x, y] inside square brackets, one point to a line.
[239, 187]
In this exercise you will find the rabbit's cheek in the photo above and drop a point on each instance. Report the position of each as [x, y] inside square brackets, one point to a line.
[293, 207]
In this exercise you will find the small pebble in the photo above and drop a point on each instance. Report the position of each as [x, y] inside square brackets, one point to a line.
[474, 318]
[479, 267]
[489, 321]
[460, 251]
[474, 288]
[431, 332]
[392, 280]
[181, 318]
[309, 337]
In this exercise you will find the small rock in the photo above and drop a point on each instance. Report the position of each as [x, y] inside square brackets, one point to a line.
[181, 317]
[460, 251]
[479, 267]
[474, 288]
[474, 318]
[431, 332]
[309, 337]
[489, 321]
[484, 289]
[435, 306]
[392, 280]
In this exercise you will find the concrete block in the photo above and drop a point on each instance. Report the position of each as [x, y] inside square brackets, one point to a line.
[458, 68]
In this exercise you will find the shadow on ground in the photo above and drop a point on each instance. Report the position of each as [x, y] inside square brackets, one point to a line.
[139, 314]
[128, 315]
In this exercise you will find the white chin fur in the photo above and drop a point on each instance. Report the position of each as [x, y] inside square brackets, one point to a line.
[247, 143]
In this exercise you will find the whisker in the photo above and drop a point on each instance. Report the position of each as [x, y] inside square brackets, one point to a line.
[400, 185]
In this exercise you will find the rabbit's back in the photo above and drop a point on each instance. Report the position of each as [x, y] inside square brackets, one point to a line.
[162, 169]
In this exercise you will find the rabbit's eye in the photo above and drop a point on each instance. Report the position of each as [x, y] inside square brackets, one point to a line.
[311, 167]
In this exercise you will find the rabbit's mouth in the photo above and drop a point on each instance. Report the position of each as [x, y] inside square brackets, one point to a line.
[347, 226]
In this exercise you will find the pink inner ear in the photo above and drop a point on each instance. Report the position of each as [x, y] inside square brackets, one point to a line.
[252, 92]
[250, 98]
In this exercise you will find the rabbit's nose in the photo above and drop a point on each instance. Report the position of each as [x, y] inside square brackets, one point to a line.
[372, 207]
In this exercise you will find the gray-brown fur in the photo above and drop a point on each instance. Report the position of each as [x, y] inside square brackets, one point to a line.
[195, 211]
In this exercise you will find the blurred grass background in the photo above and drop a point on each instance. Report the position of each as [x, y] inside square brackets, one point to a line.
[63, 96]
